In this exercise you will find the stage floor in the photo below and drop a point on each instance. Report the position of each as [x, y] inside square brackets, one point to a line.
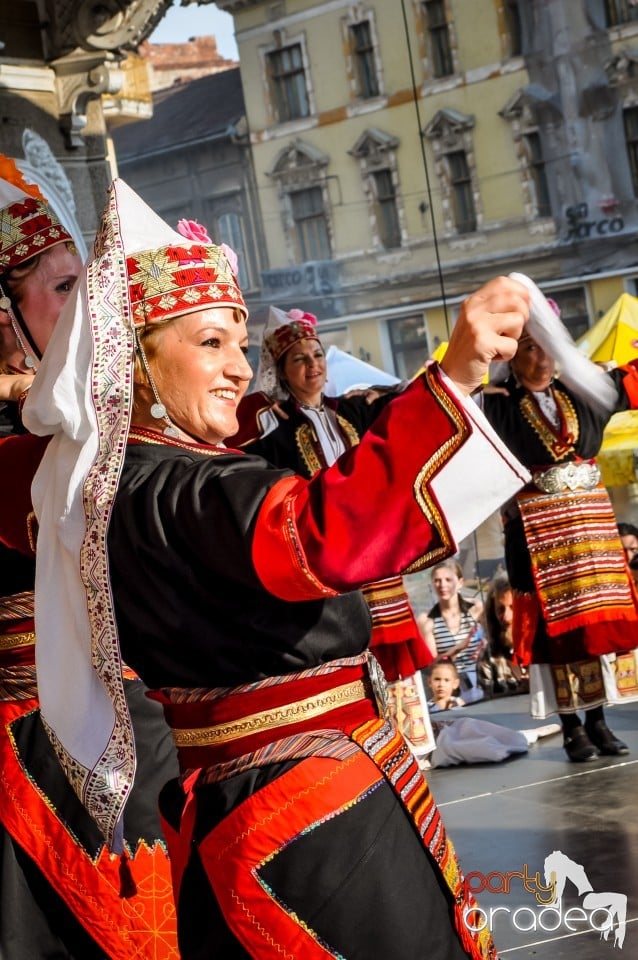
[506, 818]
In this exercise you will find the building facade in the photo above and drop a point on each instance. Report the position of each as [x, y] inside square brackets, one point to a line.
[406, 151]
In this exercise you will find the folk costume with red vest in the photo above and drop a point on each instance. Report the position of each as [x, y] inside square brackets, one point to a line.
[63, 893]
[231, 585]
[574, 601]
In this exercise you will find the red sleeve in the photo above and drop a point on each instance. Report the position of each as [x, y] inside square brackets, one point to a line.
[630, 382]
[19, 459]
[373, 513]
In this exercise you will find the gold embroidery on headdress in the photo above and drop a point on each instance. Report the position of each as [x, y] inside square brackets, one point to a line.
[175, 279]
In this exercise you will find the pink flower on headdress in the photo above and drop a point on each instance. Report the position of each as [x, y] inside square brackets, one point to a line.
[231, 256]
[554, 306]
[296, 314]
[193, 230]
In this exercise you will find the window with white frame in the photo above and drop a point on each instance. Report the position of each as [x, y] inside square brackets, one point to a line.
[409, 343]
[451, 135]
[514, 27]
[538, 172]
[622, 73]
[376, 152]
[311, 225]
[363, 57]
[438, 38]
[300, 173]
[630, 120]
[387, 215]
[288, 86]
[521, 113]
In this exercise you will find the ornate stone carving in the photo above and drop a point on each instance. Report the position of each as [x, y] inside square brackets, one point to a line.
[80, 78]
[41, 167]
[83, 41]
[374, 145]
[299, 163]
[92, 25]
[448, 126]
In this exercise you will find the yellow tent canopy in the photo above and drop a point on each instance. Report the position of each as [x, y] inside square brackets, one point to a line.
[439, 353]
[614, 339]
[615, 336]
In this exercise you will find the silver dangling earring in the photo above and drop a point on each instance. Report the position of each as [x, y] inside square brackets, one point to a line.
[158, 410]
[5, 304]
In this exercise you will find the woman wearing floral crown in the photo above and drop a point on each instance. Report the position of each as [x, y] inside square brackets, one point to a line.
[231, 586]
[62, 893]
[310, 431]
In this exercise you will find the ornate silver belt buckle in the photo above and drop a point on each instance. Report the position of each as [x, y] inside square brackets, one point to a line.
[379, 685]
[567, 476]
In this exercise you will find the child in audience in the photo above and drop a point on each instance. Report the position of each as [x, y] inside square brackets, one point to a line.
[468, 739]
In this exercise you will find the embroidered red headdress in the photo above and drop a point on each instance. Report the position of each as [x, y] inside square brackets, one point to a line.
[175, 279]
[27, 222]
[300, 326]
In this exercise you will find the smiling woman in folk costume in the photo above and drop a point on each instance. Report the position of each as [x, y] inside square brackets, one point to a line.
[575, 618]
[62, 893]
[230, 585]
[309, 432]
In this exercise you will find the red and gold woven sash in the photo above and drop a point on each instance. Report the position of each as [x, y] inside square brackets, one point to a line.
[214, 728]
[18, 606]
[577, 561]
[387, 749]
[277, 719]
[17, 665]
[390, 609]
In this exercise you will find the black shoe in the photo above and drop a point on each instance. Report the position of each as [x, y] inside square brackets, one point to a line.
[579, 747]
[606, 741]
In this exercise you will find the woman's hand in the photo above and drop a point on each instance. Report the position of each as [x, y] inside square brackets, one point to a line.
[13, 385]
[488, 328]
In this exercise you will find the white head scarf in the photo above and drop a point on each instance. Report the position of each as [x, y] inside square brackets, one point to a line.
[586, 379]
[83, 395]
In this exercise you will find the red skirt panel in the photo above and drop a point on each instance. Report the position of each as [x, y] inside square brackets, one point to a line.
[124, 903]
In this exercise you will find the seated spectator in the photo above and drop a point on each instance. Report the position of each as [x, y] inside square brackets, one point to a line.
[443, 678]
[497, 673]
[451, 628]
[629, 539]
[468, 739]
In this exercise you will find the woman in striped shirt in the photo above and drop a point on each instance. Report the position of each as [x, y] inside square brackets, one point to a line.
[451, 628]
